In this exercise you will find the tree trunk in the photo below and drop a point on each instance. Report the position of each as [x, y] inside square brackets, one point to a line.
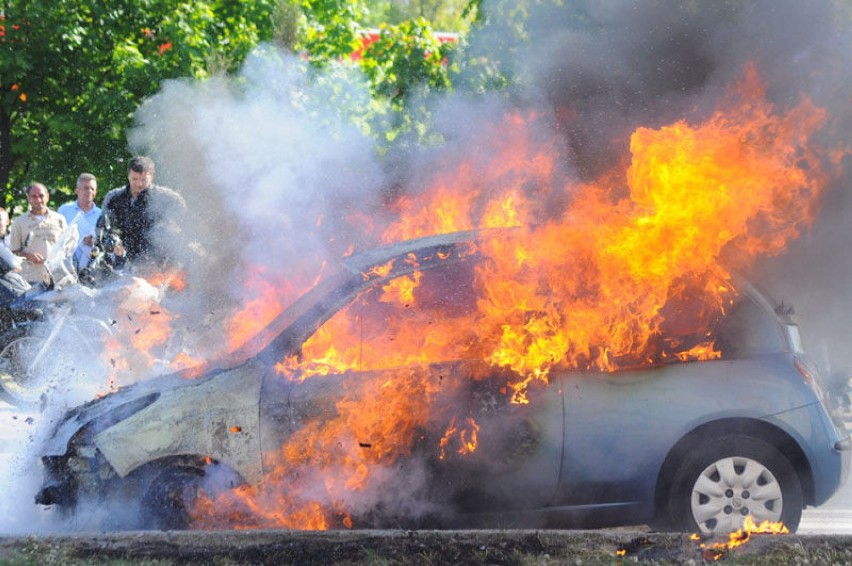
[6, 159]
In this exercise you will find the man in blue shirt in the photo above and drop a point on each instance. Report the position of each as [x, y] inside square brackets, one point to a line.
[86, 213]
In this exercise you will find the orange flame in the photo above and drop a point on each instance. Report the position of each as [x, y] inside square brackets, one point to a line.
[368, 429]
[265, 303]
[174, 280]
[624, 271]
[742, 535]
[467, 438]
[266, 295]
[738, 185]
[141, 332]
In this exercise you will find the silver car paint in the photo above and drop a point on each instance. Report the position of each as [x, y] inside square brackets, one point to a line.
[216, 417]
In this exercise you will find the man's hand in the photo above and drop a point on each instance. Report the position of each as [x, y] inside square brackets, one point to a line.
[35, 258]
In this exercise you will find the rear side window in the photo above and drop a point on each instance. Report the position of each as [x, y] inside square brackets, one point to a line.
[749, 330]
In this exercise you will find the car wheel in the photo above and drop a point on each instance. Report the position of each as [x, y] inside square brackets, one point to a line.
[170, 497]
[727, 479]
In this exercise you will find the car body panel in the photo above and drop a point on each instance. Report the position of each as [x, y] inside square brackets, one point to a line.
[670, 402]
[814, 432]
[216, 418]
[104, 408]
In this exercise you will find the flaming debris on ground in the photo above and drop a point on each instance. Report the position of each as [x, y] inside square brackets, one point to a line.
[649, 548]
[715, 550]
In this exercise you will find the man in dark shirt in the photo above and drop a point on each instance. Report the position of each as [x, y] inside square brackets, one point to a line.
[147, 217]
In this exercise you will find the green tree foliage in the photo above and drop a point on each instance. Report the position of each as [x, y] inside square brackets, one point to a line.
[501, 27]
[405, 61]
[72, 73]
[408, 60]
[333, 31]
[404, 57]
[444, 15]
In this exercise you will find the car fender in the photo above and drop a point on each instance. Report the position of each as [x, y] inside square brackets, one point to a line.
[216, 418]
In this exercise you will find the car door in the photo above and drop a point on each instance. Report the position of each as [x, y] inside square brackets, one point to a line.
[618, 428]
[400, 370]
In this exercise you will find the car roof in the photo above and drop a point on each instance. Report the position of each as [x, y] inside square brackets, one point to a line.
[364, 261]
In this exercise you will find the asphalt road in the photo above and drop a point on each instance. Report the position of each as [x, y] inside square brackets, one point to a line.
[18, 430]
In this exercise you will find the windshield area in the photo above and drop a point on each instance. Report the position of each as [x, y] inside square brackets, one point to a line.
[288, 317]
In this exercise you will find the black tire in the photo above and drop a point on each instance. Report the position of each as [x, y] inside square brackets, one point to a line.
[170, 497]
[725, 479]
[18, 385]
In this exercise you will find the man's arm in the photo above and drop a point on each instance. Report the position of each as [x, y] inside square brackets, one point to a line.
[169, 207]
[169, 200]
[105, 204]
[16, 240]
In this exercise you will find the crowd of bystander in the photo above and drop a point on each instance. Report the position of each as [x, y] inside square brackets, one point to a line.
[137, 215]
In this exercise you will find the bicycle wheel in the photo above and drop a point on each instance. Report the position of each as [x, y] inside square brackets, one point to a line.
[93, 333]
[21, 384]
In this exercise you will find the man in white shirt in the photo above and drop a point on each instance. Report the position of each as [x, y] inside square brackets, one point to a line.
[85, 213]
[35, 232]
[4, 226]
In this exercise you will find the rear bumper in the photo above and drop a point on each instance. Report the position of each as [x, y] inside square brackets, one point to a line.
[844, 448]
[831, 455]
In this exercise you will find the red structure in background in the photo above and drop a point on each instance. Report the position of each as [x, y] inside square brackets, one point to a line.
[373, 35]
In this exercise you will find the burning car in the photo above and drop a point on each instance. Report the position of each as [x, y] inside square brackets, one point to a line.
[415, 424]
